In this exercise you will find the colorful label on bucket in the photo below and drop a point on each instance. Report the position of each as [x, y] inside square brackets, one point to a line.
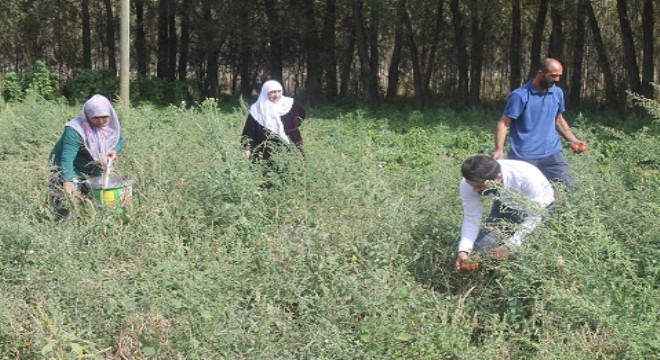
[114, 197]
[108, 198]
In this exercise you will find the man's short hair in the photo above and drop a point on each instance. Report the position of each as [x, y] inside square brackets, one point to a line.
[543, 65]
[480, 167]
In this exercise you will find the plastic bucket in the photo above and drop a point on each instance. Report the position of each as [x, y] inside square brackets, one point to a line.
[117, 194]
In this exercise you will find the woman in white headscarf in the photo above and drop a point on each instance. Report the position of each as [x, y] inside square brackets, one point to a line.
[273, 119]
[89, 141]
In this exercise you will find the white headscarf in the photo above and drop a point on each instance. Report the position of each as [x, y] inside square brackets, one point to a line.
[98, 140]
[267, 113]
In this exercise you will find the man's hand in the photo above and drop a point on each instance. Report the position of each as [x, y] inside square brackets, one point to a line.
[498, 154]
[501, 131]
[112, 155]
[461, 257]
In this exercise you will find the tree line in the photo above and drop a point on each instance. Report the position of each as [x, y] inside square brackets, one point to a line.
[460, 52]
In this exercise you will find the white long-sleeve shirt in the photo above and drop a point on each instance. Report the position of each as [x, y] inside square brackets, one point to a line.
[523, 187]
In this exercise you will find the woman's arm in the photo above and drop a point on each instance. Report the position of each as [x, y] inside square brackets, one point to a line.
[120, 143]
[71, 143]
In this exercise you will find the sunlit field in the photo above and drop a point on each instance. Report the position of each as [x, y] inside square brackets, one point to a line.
[347, 256]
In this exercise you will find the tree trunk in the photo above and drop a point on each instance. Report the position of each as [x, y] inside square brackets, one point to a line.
[163, 43]
[433, 49]
[372, 43]
[244, 52]
[328, 44]
[140, 42]
[416, 67]
[478, 35]
[648, 20]
[210, 53]
[314, 72]
[367, 71]
[461, 51]
[275, 62]
[514, 47]
[186, 12]
[603, 62]
[537, 35]
[628, 47]
[110, 35]
[86, 36]
[212, 69]
[172, 48]
[395, 60]
[556, 43]
[347, 61]
[578, 55]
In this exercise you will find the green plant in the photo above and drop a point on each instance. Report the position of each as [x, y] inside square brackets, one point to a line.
[159, 91]
[651, 105]
[12, 87]
[41, 82]
[89, 82]
[349, 254]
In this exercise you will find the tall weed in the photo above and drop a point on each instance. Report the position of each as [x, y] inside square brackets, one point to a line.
[348, 254]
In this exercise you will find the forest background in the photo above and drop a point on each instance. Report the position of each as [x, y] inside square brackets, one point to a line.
[425, 52]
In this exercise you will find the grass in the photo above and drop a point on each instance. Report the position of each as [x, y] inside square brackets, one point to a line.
[349, 255]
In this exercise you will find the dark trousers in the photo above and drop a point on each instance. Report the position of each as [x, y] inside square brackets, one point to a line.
[554, 167]
[499, 225]
[58, 197]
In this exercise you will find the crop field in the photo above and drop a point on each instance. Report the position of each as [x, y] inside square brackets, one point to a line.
[349, 255]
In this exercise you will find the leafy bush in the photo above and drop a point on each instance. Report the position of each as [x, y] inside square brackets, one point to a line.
[12, 87]
[161, 92]
[90, 82]
[39, 82]
[651, 105]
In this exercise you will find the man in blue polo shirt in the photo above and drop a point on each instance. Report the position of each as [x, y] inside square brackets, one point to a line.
[533, 115]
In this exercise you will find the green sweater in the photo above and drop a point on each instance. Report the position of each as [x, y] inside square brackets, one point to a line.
[72, 158]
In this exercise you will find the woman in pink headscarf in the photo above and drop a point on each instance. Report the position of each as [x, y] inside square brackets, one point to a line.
[89, 141]
[274, 119]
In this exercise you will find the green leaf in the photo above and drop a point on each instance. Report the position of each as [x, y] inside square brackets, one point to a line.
[48, 348]
[76, 348]
[405, 337]
[205, 314]
[149, 351]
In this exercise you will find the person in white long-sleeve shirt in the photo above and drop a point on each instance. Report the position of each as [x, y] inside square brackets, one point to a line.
[523, 196]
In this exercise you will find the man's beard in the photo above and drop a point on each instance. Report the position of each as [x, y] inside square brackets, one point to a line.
[546, 84]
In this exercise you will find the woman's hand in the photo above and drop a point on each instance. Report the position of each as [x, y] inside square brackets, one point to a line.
[69, 189]
[112, 155]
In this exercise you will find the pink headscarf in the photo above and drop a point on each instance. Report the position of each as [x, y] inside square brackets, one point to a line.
[98, 140]
[267, 113]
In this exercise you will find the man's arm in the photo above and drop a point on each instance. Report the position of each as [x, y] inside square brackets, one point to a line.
[471, 222]
[565, 130]
[500, 136]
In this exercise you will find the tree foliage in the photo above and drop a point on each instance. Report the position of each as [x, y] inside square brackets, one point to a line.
[437, 51]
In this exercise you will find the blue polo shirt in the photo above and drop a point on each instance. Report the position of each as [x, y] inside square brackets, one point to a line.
[533, 132]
